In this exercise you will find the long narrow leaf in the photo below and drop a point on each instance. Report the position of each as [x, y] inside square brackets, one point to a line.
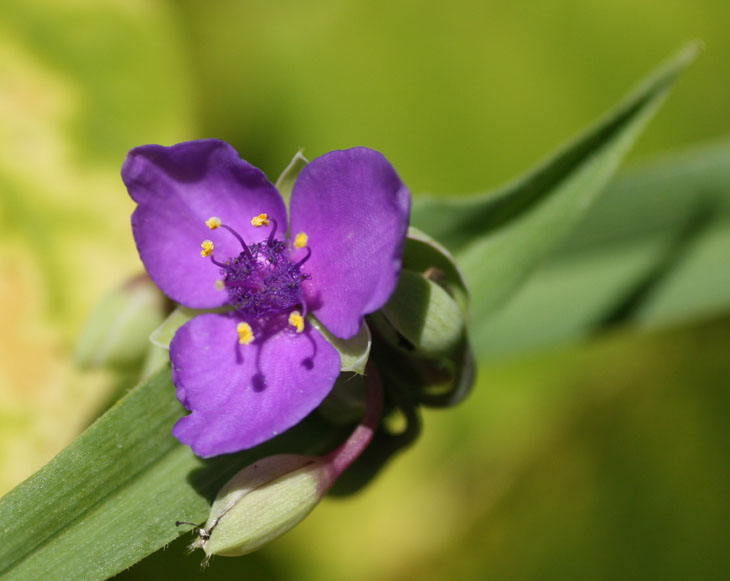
[651, 252]
[113, 496]
[501, 238]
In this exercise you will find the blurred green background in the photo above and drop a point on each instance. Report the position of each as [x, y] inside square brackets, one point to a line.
[602, 461]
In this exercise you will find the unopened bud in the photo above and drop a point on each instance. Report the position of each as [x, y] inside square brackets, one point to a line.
[262, 502]
[425, 314]
[425, 255]
[115, 334]
[269, 497]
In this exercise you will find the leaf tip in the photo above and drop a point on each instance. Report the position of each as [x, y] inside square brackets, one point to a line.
[689, 52]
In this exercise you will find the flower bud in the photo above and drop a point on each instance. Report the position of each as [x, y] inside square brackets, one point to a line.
[425, 314]
[269, 497]
[425, 255]
[115, 334]
[262, 502]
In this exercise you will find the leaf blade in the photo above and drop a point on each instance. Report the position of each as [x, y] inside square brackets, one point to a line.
[112, 497]
[621, 241]
[500, 238]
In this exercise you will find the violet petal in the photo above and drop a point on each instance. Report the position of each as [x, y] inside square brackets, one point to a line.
[177, 188]
[242, 395]
[355, 210]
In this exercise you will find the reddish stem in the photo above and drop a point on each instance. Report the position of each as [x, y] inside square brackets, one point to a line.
[341, 458]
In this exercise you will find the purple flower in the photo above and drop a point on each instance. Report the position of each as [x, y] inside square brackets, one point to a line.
[258, 367]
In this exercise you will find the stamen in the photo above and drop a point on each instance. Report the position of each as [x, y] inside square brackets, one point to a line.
[213, 222]
[239, 238]
[263, 279]
[260, 220]
[303, 260]
[264, 220]
[207, 246]
[273, 232]
[297, 321]
[218, 264]
[301, 240]
[245, 333]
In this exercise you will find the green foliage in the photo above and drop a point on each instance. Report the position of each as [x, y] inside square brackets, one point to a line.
[651, 252]
[113, 496]
[500, 238]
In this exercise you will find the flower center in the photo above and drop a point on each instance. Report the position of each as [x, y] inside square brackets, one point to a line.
[263, 279]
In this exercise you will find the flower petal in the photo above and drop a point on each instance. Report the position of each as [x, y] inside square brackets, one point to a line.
[355, 210]
[177, 188]
[242, 395]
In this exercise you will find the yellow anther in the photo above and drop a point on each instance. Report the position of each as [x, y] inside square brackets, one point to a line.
[297, 321]
[260, 220]
[213, 222]
[207, 246]
[301, 240]
[219, 285]
[245, 333]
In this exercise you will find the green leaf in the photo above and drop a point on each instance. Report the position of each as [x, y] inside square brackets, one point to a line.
[652, 252]
[113, 496]
[500, 238]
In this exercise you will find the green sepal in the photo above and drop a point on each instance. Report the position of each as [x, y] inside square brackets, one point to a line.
[287, 179]
[354, 352]
[163, 334]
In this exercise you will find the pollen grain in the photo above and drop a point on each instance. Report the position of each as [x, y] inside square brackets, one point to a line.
[260, 220]
[297, 321]
[301, 240]
[213, 222]
[245, 333]
[207, 246]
